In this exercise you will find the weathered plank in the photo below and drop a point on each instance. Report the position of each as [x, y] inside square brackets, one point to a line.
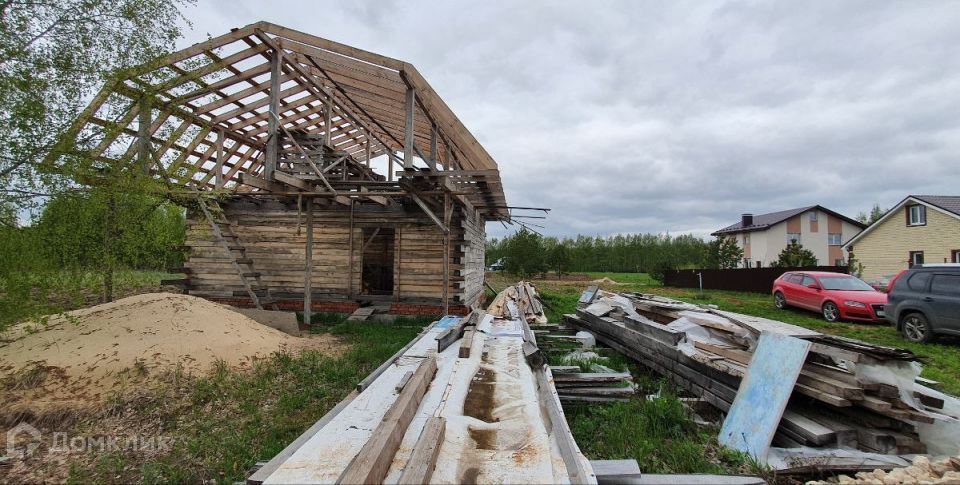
[373, 461]
[423, 460]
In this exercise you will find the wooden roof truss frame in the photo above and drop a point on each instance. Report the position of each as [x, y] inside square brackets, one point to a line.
[222, 115]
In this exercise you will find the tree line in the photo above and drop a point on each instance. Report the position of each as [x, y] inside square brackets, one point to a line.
[528, 253]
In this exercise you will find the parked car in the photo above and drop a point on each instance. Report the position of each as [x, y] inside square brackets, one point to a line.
[496, 265]
[924, 301]
[834, 295]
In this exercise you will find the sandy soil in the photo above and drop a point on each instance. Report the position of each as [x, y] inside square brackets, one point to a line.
[84, 356]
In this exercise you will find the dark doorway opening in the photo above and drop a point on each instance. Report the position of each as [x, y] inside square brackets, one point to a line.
[377, 260]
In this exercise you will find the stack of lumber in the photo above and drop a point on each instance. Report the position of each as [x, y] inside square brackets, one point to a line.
[849, 394]
[575, 386]
[519, 301]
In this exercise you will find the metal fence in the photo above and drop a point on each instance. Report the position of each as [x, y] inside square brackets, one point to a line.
[738, 279]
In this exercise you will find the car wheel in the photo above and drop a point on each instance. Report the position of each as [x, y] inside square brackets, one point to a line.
[830, 312]
[779, 301]
[915, 328]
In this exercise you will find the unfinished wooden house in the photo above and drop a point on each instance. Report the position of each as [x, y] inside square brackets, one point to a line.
[326, 176]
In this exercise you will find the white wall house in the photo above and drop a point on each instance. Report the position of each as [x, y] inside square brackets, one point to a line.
[816, 228]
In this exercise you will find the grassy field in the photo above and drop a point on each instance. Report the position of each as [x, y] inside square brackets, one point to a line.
[29, 295]
[223, 423]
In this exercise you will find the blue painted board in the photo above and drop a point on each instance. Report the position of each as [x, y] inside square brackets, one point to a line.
[764, 391]
[447, 321]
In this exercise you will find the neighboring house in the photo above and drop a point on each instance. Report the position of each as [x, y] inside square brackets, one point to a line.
[920, 229]
[816, 228]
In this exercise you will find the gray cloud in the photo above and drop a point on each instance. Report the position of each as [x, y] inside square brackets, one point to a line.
[675, 116]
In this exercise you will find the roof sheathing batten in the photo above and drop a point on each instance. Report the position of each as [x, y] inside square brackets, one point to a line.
[219, 89]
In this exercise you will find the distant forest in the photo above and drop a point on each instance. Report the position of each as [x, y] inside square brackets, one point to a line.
[528, 253]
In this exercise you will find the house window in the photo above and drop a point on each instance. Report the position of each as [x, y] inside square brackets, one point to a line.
[746, 262]
[916, 215]
[916, 257]
[793, 237]
[955, 256]
[746, 239]
[834, 239]
[813, 216]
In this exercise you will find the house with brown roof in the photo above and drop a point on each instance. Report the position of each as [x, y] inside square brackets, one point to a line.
[919, 229]
[816, 228]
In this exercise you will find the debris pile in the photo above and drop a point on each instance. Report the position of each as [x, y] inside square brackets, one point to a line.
[848, 395]
[573, 385]
[516, 301]
[946, 470]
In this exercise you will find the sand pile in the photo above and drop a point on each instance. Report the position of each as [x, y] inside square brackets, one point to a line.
[83, 356]
[604, 281]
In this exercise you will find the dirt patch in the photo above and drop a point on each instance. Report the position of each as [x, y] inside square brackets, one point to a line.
[479, 402]
[82, 358]
[486, 439]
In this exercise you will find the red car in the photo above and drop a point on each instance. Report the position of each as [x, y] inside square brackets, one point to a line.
[834, 295]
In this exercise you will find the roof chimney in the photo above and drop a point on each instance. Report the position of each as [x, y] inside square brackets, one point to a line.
[746, 220]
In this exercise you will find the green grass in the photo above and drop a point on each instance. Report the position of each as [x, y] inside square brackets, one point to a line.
[225, 422]
[658, 433]
[30, 295]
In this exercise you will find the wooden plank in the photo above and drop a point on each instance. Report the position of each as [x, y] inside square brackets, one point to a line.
[423, 460]
[590, 377]
[807, 428]
[365, 383]
[614, 470]
[466, 343]
[403, 381]
[596, 391]
[271, 466]
[756, 411]
[373, 461]
[408, 146]
[273, 117]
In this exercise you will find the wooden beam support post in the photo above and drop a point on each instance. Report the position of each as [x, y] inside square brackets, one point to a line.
[366, 150]
[433, 147]
[411, 101]
[143, 134]
[447, 215]
[218, 170]
[327, 121]
[308, 276]
[273, 120]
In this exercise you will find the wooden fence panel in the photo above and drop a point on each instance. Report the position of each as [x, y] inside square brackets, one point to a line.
[738, 279]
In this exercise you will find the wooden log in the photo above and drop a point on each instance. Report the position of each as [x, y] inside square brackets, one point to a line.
[373, 461]
[423, 460]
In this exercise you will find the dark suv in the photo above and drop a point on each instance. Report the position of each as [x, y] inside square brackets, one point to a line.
[925, 301]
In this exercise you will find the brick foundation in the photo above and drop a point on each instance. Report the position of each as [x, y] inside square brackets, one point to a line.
[425, 310]
[347, 307]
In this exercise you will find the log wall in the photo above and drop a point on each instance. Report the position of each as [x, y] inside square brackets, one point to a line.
[273, 237]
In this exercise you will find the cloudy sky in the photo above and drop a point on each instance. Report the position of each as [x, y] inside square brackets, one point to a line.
[673, 116]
